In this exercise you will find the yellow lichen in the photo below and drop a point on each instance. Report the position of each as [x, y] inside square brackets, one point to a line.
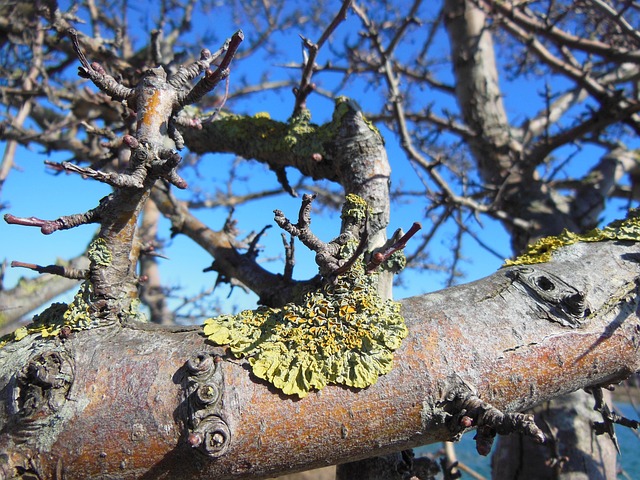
[542, 250]
[354, 207]
[46, 324]
[343, 333]
[76, 316]
[20, 333]
[344, 104]
[99, 253]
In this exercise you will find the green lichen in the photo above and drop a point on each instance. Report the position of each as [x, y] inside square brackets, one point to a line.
[46, 324]
[303, 137]
[99, 253]
[542, 250]
[396, 262]
[354, 207]
[78, 315]
[343, 333]
[261, 137]
[133, 313]
[345, 104]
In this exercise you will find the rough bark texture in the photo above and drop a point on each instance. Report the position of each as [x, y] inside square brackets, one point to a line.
[124, 401]
[507, 159]
[500, 156]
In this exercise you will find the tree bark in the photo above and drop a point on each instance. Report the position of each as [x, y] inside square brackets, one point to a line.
[504, 157]
[121, 400]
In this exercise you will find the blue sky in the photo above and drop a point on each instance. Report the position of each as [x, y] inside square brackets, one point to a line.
[32, 190]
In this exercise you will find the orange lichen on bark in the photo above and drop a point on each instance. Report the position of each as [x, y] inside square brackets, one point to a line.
[150, 113]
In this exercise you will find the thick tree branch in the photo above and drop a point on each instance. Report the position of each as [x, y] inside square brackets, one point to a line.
[348, 150]
[476, 341]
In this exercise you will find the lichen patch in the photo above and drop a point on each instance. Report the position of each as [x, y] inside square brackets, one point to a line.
[342, 333]
[542, 250]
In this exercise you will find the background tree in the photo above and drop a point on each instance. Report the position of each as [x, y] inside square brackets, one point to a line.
[441, 82]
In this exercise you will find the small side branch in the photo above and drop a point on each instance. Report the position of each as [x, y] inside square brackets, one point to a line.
[609, 417]
[211, 79]
[66, 272]
[49, 226]
[110, 178]
[471, 411]
[97, 75]
[253, 250]
[184, 75]
[289, 257]
[302, 229]
[281, 175]
[379, 258]
[311, 53]
[330, 257]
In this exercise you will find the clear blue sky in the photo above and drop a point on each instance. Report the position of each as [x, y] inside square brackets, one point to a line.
[31, 190]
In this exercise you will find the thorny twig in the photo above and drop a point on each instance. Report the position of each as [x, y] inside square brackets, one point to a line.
[609, 417]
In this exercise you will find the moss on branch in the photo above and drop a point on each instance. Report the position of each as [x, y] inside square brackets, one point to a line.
[297, 142]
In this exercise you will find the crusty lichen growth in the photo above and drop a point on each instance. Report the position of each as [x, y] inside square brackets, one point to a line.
[76, 315]
[342, 332]
[99, 252]
[542, 250]
[355, 208]
[345, 104]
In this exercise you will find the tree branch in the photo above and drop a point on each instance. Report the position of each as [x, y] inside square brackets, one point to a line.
[476, 341]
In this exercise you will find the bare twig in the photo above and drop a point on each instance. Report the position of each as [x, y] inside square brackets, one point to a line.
[306, 86]
[379, 258]
[60, 270]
